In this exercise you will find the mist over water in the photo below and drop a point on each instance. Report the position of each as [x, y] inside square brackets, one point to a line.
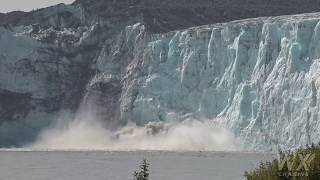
[85, 132]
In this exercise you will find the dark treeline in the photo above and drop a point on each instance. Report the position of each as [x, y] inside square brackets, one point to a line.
[166, 15]
[298, 4]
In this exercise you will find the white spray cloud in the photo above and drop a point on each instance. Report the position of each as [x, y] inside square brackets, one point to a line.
[86, 133]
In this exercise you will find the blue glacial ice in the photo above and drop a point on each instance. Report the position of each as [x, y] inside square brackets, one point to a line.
[259, 76]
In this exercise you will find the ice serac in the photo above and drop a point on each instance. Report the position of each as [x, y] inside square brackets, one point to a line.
[142, 61]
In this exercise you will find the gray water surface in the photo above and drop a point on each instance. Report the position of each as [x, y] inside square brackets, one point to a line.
[99, 165]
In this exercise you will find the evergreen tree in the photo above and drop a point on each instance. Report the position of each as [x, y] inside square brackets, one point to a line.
[143, 174]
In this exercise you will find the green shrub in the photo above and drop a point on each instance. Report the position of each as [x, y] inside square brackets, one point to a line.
[302, 164]
[143, 173]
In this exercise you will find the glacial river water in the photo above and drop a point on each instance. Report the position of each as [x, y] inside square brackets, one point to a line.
[101, 165]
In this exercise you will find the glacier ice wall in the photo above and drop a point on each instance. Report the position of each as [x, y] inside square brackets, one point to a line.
[261, 75]
[47, 58]
[258, 76]
[43, 70]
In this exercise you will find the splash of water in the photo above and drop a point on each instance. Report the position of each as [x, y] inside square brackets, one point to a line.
[86, 133]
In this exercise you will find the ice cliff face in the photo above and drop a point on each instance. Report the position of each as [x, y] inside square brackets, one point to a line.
[262, 75]
[132, 63]
[43, 69]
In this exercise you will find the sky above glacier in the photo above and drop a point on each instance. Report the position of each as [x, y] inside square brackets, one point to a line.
[28, 5]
